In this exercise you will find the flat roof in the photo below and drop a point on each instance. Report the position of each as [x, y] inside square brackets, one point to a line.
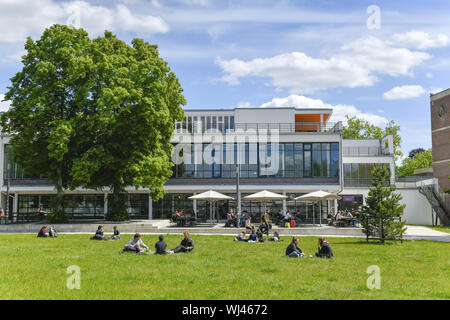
[439, 95]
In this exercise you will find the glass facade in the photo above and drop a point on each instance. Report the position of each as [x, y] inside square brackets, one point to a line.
[201, 124]
[360, 174]
[83, 205]
[295, 160]
[11, 169]
[165, 207]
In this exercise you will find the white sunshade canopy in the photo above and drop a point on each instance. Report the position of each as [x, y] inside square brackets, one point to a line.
[318, 195]
[211, 196]
[265, 195]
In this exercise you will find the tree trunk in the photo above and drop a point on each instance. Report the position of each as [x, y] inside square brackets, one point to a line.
[117, 206]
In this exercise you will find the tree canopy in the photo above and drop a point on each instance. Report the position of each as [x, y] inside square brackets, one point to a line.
[94, 113]
[421, 160]
[362, 129]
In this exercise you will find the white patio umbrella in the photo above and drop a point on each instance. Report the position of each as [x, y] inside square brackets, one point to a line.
[211, 196]
[318, 196]
[264, 196]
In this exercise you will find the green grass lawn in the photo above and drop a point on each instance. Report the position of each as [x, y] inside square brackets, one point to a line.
[32, 268]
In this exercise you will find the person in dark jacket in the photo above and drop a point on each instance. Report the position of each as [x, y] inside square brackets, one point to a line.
[293, 251]
[43, 232]
[324, 250]
[99, 234]
[161, 246]
[116, 234]
[186, 245]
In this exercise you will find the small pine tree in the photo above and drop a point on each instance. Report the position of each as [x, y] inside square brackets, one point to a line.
[381, 209]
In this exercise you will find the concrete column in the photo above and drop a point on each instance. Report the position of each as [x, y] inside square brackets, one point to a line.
[150, 207]
[321, 122]
[284, 203]
[194, 206]
[15, 202]
[105, 206]
[335, 206]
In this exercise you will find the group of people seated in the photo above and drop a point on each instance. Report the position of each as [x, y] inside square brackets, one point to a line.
[136, 245]
[231, 219]
[290, 217]
[45, 232]
[344, 216]
[323, 249]
[99, 234]
[255, 236]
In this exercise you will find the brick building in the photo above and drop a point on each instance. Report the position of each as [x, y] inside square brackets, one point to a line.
[440, 129]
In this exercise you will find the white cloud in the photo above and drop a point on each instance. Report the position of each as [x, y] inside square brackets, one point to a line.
[4, 105]
[202, 3]
[22, 18]
[435, 90]
[421, 40]
[357, 64]
[340, 111]
[13, 58]
[404, 92]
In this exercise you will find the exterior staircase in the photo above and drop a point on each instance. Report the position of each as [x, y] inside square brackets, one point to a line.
[440, 202]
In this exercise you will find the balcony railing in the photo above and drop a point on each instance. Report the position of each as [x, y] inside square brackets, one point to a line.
[329, 127]
[364, 151]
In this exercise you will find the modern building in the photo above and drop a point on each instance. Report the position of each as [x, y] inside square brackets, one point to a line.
[291, 151]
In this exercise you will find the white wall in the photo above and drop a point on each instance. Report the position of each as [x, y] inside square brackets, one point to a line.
[262, 115]
[418, 209]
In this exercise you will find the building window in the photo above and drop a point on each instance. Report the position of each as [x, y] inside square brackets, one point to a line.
[295, 160]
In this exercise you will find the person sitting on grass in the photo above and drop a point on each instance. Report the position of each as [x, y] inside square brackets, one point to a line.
[136, 245]
[43, 232]
[276, 237]
[52, 233]
[259, 236]
[186, 245]
[324, 249]
[240, 236]
[264, 227]
[253, 237]
[160, 246]
[99, 234]
[116, 234]
[293, 251]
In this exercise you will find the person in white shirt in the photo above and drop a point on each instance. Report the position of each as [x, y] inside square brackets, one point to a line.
[136, 245]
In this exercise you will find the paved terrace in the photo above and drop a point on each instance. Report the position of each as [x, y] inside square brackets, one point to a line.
[165, 227]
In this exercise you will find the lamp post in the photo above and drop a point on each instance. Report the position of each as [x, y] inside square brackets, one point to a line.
[238, 195]
[7, 192]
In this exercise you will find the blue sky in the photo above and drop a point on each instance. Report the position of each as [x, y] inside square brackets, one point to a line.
[272, 53]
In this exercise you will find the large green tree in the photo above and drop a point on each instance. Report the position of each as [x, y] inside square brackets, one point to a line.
[94, 114]
[421, 160]
[362, 129]
[126, 130]
[379, 217]
[45, 95]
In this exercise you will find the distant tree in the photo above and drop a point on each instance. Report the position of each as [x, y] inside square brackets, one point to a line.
[46, 96]
[414, 152]
[382, 207]
[421, 160]
[362, 129]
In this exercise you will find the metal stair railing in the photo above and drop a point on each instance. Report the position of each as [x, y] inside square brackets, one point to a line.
[427, 190]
